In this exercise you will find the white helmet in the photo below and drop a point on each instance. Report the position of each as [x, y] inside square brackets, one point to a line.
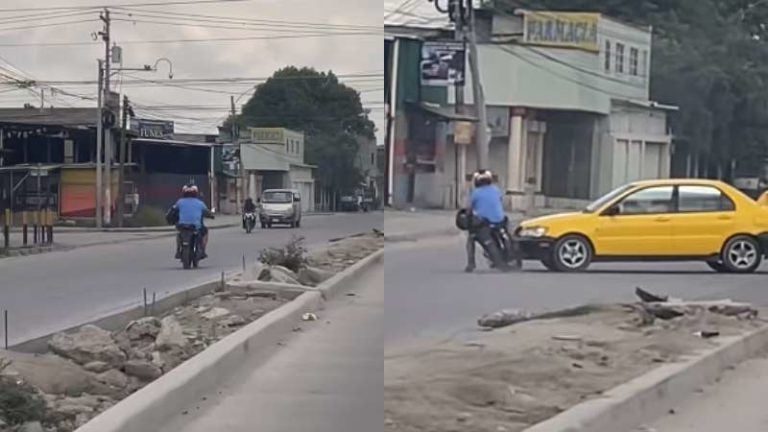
[482, 177]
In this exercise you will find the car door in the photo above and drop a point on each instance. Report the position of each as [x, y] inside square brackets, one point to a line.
[638, 225]
[704, 220]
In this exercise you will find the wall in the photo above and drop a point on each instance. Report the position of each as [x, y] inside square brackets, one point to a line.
[561, 78]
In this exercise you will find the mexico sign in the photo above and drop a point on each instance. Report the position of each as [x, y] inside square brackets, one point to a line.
[562, 30]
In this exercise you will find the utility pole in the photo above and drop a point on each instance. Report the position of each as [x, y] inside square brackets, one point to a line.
[106, 36]
[461, 149]
[240, 182]
[121, 172]
[482, 136]
[99, 143]
[42, 100]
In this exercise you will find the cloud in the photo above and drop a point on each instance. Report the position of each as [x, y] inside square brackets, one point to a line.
[214, 59]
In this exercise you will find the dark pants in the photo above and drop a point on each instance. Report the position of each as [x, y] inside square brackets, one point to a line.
[483, 233]
[202, 240]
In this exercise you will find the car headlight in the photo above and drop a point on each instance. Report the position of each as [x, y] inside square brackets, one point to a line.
[533, 232]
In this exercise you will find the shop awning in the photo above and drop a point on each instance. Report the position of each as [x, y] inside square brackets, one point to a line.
[445, 113]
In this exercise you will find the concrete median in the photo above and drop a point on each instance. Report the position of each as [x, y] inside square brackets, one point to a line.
[150, 407]
[653, 394]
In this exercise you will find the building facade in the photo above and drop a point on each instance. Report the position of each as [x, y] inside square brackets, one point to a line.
[273, 158]
[567, 97]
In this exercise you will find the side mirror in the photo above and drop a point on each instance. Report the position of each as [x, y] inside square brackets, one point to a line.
[258, 200]
[612, 211]
[297, 198]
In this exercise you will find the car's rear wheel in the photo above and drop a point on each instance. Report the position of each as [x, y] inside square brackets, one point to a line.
[741, 254]
[572, 253]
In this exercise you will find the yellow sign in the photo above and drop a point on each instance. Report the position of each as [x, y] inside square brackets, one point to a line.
[562, 29]
[268, 135]
[463, 132]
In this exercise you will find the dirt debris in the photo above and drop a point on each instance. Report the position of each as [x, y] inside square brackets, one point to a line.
[515, 377]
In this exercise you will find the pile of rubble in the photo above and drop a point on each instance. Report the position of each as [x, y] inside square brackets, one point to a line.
[533, 366]
[90, 370]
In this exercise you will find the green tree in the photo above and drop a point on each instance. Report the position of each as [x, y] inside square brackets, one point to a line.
[329, 113]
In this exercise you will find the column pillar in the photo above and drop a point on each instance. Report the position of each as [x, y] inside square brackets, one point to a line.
[516, 152]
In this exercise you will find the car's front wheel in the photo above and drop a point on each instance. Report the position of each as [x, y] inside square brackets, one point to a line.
[741, 254]
[572, 253]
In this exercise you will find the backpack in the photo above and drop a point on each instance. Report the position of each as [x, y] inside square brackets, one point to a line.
[172, 217]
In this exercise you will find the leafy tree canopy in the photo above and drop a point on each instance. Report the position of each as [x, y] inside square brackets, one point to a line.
[329, 113]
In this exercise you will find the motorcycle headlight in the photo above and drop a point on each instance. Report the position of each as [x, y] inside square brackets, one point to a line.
[533, 232]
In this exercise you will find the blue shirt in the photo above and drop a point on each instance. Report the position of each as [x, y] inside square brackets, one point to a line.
[487, 203]
[191, 211]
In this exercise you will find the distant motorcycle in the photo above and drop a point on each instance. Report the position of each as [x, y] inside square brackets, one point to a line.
[249, 222]
[190, 252]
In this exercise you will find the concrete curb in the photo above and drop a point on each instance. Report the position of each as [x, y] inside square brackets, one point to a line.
[651, 395]
[169, 395]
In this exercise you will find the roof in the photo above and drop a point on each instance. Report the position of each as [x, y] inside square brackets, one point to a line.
[65, 117]
[172, 143]
[649, 104]
[676, 181]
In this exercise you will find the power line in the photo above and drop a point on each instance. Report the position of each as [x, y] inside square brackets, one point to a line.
[102, 6]
[220, 27]
[40, 17]
[351, 77]
[206, 40]
[246, 21]
[28, 27]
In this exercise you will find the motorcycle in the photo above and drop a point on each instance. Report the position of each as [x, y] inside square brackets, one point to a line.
[190, 252]
[502, 250]
[249, 222]
[498, 246]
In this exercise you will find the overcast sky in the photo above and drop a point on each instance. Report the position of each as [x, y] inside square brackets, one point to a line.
[346, 55]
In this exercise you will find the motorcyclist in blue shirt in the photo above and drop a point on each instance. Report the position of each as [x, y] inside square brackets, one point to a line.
[191, 211]
[487, 209]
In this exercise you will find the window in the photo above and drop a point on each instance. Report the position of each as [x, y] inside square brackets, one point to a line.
[697, 199]
[633, 54]
[373, 158]
[653, 200]
[607, 56]
[620, 58]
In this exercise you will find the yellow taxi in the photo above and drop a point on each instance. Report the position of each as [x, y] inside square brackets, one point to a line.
[663, 220]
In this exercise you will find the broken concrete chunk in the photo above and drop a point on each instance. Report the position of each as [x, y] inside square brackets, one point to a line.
[171, 334]
[504, 318]
[142, 370]
[88, 344]
[215, 313]
[147, 327]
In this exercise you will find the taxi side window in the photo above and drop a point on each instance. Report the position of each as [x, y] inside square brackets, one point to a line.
[703, 199]
[653, 200]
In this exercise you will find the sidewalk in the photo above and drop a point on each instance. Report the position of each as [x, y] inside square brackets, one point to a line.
[736, 403]
[327, 378]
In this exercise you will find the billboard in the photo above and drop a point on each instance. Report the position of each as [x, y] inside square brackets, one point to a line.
[152, 128]
[562, 30]
[268, 135]
[442, 63]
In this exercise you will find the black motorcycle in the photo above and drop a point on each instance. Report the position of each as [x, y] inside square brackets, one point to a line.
[249, 222]
[190, 250]
[498, 246]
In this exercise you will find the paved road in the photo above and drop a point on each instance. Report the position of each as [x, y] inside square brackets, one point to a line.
[737, 403]
[326, 379]
[45, 293]
[429, 296]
